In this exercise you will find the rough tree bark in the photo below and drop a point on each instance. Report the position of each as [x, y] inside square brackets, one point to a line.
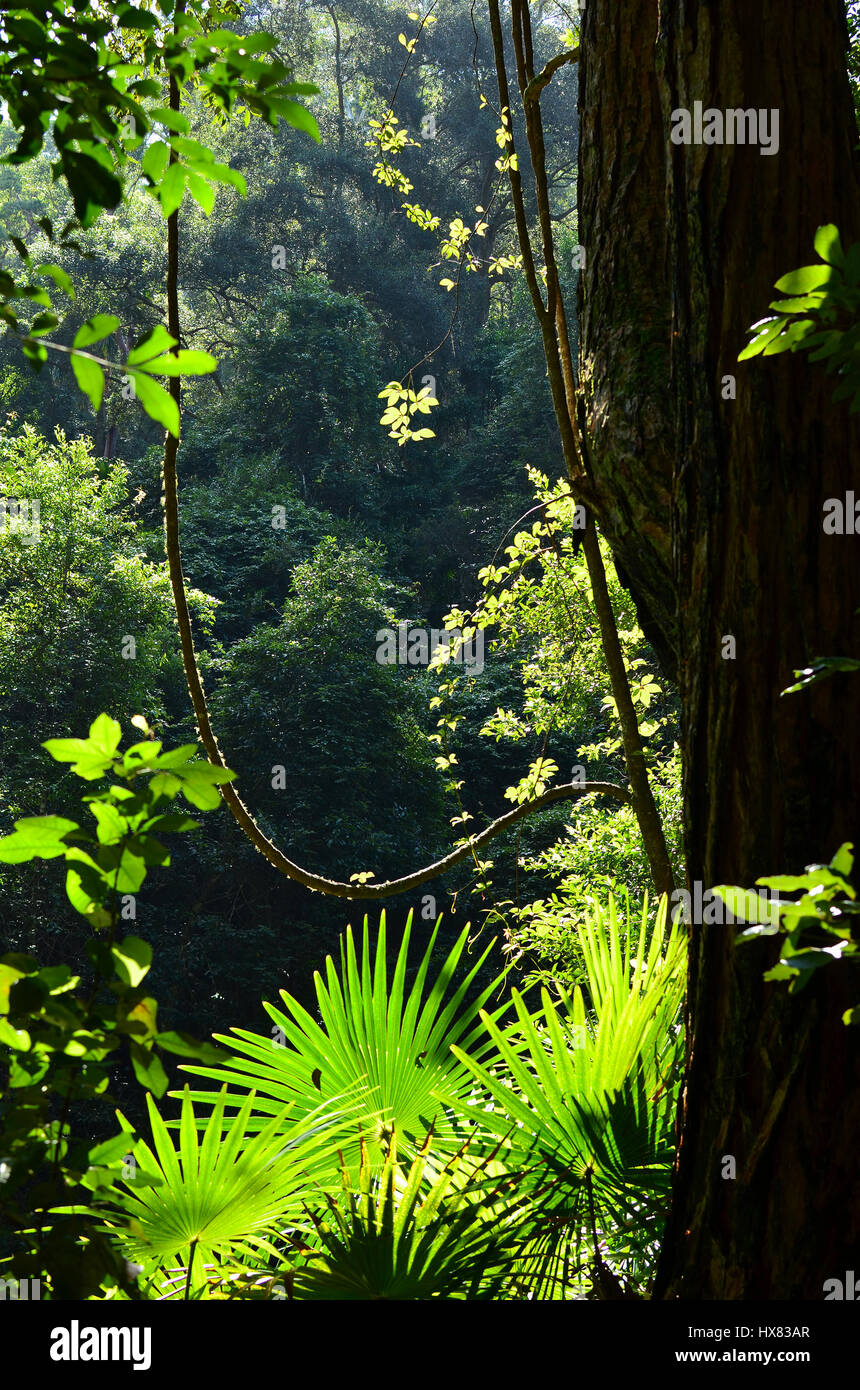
[714, 509]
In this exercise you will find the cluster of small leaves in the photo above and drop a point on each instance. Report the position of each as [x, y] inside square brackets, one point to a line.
[538, 598]
[422, 217]
[505, 140]
[821, 317]
[447, 724]
[819, 927]
[58, 1037]
[152, 356]
[391, 142]
[535, 782]
[643, 689]
[128, 815]
[455, 245]
[402, 404]
[94, 78]
[497, 265]
[446, 761]
[387, 137]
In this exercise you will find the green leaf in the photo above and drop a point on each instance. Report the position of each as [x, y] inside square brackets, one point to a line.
[185, 363]
[60, 277]
[36, 837]
[222, 1194]
[140, 1021]
[174, 823]
[766, 334]
[295, 115]
[202, 192]
[109, 1150]
[165, 784]
[221, 173]
[158, 403]
[808, 277]
[125, 865]
[58, 978]
[799, 305]
[171, 190]
[141, 755]
[828, 245]
[88, 763]
[111, 826]
[90, 378]
[148, 1069]
[43, 323]
[105, 734]
[66, 750]
[192, 149]
[199, 782]
[16, 1038]
[133, 959]
[92, 186]
[822, 669]
[749, 907]
[95, 329]
[843, 860]
[130, 17]
[87, 888]
[172, 119]
[785, 883]
[183, 1045]
[155, 342]
[28, 1068]
[154, 161]
[795, 333]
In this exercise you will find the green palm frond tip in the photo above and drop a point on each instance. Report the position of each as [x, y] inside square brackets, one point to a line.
[381, 1047]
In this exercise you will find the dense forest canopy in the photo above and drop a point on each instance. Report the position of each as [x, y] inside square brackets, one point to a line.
[375, 380]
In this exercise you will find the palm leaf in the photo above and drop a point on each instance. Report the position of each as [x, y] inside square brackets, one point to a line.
[414, 1235]
[593, 1124]
[216, 1202]
[389, 1051]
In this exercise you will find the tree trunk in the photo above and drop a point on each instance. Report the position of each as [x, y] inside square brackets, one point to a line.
[714, 508]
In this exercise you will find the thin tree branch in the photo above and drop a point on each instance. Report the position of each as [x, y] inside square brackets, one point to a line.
[557, 351]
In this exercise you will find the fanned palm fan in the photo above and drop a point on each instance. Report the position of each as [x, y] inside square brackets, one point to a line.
[216, 1202]
[592, 1102]
[415, 1235]
[387, 1050]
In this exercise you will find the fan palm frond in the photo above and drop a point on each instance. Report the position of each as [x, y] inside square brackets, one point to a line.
[586, 1107]
[414, 1235]
[216, 1201]
[386, 1048]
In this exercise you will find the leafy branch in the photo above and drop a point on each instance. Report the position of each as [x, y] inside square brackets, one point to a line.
[821, 315]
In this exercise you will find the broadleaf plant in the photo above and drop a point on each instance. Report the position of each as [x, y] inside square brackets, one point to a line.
[61, 1031]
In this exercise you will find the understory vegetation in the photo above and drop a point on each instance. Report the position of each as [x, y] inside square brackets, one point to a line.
[274, 290]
